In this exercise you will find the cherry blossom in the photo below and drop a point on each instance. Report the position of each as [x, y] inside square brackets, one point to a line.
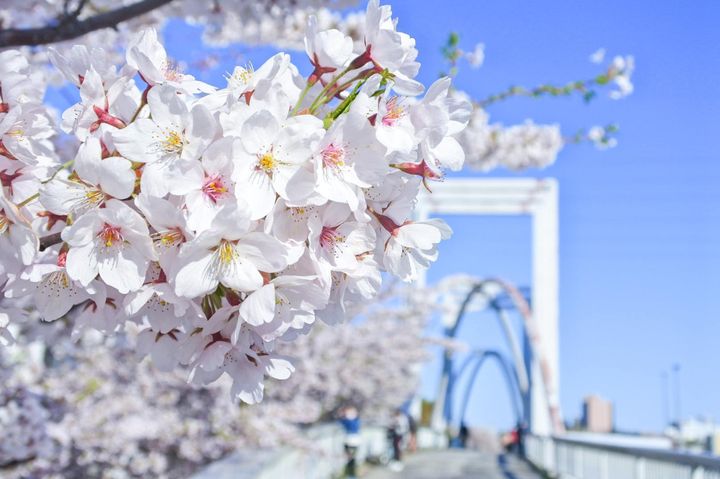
[113, 242]
[215, 223]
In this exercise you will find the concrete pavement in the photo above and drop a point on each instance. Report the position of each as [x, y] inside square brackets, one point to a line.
[457, 464]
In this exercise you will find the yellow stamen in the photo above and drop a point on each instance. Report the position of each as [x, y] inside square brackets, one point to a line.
[267, 162]
[226, 253]
[241, 75]
[173, 142]
[216, 188]
[94, 196]
[170, 238]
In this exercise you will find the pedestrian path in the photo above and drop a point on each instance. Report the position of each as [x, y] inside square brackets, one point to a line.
[457, 464]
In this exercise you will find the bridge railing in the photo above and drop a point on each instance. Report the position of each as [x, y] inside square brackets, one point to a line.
[576, 459]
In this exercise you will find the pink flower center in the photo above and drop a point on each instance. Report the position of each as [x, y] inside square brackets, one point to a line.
[110, 235]
[329, 237]
[333, 156]
[395, 111]
[214, 188]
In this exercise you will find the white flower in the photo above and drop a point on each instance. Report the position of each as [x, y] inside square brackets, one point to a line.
[245, 361]
[25, 134]
[246, 82]
[147, 55]
[74, 63]
[157, 305]
[328, 50]
[213, 185]
[393, 126]
[113, 242]
[412, 246]
[18, 243]
[297, 300]
[163, 348]
[109, 104]
[390, 49]
[97, 179]
[336, 240]
[290, 223]
[169, 225]
[351, 288]
[168, 143]
[275, 159]
[347, 159]
[19, 84]
[437, 118]
[53, 291]
[229, 253]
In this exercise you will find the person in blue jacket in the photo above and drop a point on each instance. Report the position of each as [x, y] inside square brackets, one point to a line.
[350, 420]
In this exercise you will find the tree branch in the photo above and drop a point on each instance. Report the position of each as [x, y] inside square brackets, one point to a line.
[14, 37]
[49, 240]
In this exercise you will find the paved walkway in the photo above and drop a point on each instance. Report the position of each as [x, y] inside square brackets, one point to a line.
[457, 464]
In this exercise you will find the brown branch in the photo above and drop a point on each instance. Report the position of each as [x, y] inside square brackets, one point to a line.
[49, 240]
[73, 28]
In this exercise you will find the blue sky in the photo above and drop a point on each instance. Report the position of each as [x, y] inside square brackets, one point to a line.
[639, 224]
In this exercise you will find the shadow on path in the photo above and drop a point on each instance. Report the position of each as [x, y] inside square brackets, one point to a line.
[457, 464]
[503, 463]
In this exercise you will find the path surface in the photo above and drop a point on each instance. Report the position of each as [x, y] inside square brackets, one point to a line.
[457, 464]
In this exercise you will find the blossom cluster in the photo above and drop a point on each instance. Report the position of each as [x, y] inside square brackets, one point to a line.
[70, 411]
[220, 220]
[517, 147]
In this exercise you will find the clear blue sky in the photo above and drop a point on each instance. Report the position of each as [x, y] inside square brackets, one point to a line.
[639, 225]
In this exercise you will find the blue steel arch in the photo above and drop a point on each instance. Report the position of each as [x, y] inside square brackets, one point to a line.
[509, 372]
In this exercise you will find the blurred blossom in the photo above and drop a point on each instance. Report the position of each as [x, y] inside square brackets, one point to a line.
[600, 137]
[624, 66]
[476, 57]
[598, 56]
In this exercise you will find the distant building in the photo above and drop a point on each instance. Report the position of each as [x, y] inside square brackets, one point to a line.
[698, 434]
[597, 414]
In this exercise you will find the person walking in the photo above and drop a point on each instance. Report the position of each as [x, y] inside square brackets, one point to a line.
[349, 418]
[398, 429]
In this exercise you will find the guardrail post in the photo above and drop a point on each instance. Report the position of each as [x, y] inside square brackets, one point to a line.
[698, 473]
[578, 460]
[639, 468]
[605, 466]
